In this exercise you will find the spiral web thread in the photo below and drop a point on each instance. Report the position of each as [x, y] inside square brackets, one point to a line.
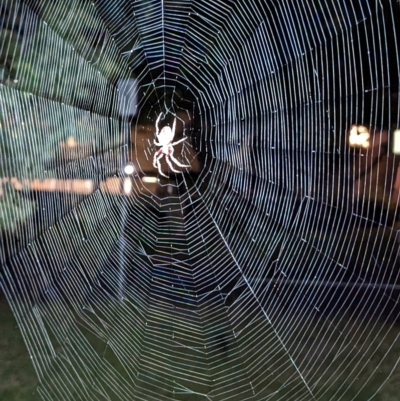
[244, 281]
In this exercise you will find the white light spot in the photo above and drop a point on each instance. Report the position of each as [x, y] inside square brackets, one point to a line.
[127, 186]
[359, 136]
[149, 180]
[129, 169]
[396, 142]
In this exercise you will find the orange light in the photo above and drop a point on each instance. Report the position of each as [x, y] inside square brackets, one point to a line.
[71, 143]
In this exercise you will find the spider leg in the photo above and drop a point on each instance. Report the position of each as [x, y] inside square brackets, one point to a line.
[159, 170]
[170, 165]
[180, 140]
[176, 161]
[157, 122]
[159, 165]
[155, 160]
[156, 143]
[173, 128]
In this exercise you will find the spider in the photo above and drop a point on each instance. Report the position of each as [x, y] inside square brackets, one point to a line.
[165, 138]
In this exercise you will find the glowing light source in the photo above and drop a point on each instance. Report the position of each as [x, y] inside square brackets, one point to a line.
[89, 185]
[396, 142]
[150, 180]
[129, 169]
[359, 136]
[127, 186]
[71, 143]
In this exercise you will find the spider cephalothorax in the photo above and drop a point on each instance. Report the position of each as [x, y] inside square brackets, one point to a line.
[164, 139]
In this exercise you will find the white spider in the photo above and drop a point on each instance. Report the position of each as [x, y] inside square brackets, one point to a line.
[165, 138]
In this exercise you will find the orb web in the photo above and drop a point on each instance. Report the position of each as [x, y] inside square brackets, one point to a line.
[268, 268]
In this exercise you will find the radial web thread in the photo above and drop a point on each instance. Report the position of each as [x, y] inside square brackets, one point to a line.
[268, 270]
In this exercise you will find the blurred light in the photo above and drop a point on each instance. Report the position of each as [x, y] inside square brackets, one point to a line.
[15, 81]
[71, 143]
[127, 186]
[396, 142]
[89, 184]
[17, 184]
[150, 180]
[129, 169]
[52, 184]
[359, 136]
